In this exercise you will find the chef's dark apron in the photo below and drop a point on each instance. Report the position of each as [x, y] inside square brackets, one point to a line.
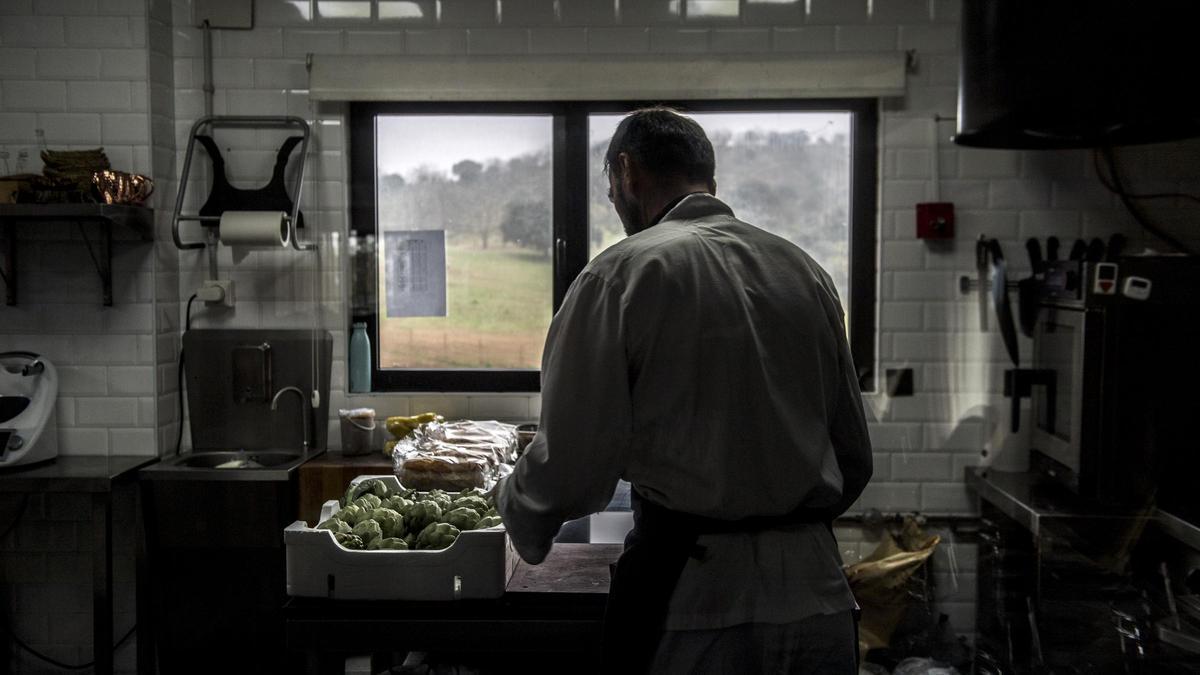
[271, 197]
[645, 575]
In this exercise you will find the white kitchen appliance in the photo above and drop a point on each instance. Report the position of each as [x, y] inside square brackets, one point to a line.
[28, 397]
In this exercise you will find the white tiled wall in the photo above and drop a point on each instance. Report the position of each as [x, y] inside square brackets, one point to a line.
[126, 74]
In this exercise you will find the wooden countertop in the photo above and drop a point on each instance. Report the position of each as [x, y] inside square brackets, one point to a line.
[327, 476]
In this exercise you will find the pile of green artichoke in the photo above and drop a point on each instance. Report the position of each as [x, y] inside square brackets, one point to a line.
[374, 517]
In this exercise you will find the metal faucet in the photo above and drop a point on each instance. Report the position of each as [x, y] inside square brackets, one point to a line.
[305, 413]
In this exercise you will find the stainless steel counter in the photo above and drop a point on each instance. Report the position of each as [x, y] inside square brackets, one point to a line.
[1029, 500]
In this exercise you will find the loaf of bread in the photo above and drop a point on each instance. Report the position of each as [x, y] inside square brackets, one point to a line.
[443, 472]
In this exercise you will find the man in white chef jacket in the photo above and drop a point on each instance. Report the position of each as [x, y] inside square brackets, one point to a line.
[705, 361]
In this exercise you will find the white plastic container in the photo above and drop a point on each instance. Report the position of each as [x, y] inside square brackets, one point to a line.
[477, 565]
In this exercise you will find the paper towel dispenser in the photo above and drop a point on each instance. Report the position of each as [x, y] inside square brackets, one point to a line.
[1070, 74]
[270, 226]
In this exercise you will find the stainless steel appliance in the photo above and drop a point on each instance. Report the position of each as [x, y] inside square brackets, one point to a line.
[1114, 414]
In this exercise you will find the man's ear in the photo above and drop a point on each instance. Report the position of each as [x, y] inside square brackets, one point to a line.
[628, 167]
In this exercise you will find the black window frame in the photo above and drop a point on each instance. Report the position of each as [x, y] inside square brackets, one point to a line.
[569, 181]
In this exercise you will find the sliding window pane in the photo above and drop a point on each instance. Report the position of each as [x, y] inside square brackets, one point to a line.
[464, 214]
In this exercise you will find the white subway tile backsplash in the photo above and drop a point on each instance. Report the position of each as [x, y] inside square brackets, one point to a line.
[1064, 224]
[903, 255]
[893, 436]
[437, 41]
[966, 435]
[32, 31]
[498, 41]
[133, 442]
[123, 64]
[298, 42]
[810, 39]
[947, 498]
[866, 38]
[17, 63]
[125, 128]
[1019, 194]
[257, 43]
[374, 42]
[890, 497]
[65, 7]
[110, 412]
[69, 128]
[921, 467]
[505, 408]
[83, 441]
[100, 96]
[679, 40]
[16, 7]
[34, 95]
[101, 31]
[131, 380]
[740, 40]
[618, 40]
[929, 39]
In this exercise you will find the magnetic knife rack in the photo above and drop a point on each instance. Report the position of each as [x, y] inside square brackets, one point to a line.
[212, 222]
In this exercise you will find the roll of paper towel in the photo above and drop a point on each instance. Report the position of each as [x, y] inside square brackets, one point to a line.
[255, 229]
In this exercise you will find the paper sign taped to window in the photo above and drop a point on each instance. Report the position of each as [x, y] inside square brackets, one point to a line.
[416, 272]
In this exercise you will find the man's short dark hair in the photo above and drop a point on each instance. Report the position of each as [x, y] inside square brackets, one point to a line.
[664, 143]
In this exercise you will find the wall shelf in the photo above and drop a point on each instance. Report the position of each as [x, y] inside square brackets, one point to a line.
[98, 218]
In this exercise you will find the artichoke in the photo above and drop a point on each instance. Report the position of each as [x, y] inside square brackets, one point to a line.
[350, 541]
[369, 502]
[477, 504]
[368, 530]
[387, 543]
[352, 514]
[443, 500]
[462, 518]
[372, 486]
[422, 514]
[390, 522]
[397, 503]
[411, 540]
[437, 536]
[486, 522]
[334, 525]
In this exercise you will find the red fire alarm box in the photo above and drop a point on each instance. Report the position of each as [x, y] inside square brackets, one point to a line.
[935, 220]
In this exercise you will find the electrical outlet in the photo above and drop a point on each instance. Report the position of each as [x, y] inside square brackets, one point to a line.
[217, 293]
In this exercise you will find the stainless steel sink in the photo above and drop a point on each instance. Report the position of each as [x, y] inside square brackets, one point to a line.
[225, 465]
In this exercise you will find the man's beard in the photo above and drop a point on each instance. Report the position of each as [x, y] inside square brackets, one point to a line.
[628, 211]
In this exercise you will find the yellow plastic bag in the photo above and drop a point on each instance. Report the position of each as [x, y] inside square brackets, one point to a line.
[880, 582]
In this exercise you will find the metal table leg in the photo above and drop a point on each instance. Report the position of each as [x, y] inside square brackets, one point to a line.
[102, 585]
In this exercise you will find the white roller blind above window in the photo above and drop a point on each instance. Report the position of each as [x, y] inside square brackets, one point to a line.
[409, 78]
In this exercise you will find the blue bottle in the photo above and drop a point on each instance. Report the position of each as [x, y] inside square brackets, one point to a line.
[360, 359]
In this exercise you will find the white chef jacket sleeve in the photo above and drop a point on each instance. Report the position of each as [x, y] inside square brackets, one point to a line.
[848, 432]
[572, 466]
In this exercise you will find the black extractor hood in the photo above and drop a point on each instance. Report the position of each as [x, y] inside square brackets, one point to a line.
[1078, 73]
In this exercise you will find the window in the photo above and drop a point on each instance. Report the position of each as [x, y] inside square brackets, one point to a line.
[469, 221]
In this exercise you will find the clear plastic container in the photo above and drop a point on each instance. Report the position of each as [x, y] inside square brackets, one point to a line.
[358, 430]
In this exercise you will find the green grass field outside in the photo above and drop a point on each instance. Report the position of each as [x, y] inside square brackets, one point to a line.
[498, 311]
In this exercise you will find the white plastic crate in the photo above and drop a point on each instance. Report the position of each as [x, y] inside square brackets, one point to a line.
[477, 565]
